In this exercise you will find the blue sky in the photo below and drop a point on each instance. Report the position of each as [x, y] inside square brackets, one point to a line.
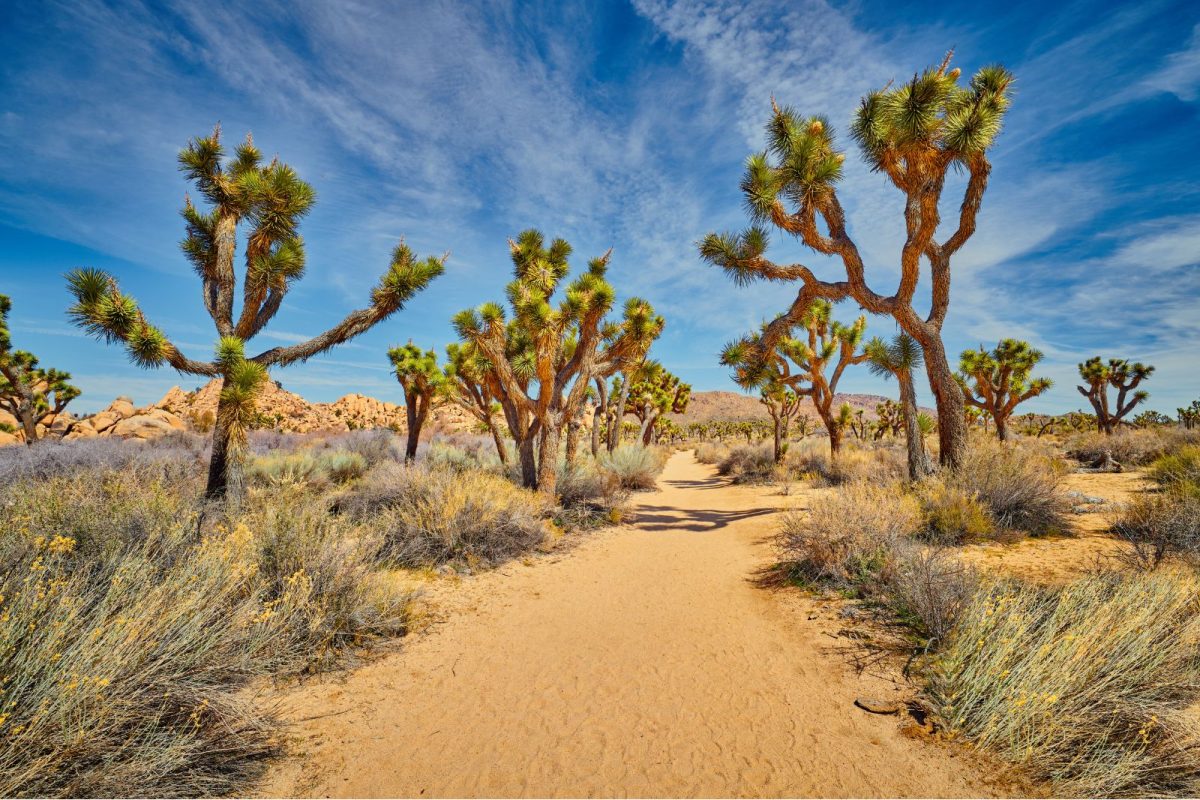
[610, 124]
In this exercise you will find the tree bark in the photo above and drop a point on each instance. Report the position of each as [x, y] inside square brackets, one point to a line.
[227, 467]
[28, 423]
[1002, 428]
[617, 417]
[572, 441]
[778, 440]
[547, 475]
[501, 450]
[414, 427]
[951, 407]
[527, 454]
[918, 461]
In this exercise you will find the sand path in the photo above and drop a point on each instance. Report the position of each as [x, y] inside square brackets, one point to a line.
[642, 662]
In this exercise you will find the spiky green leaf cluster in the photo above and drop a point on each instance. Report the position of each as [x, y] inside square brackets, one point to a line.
[406, 276]
[23, 382]
[105, 312]
[932, 115]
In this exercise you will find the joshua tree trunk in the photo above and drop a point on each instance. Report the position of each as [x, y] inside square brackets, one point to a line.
[572, 441]
[597, 422]
[1002, 427]
[779, 434]
[501, 450]
[835, 434]
[227, 467]
[547, 475]
[527, 453]
[647, 431]
[918, 461]
[415, 409]
[618, 416]
[951, 407]
[28, 424]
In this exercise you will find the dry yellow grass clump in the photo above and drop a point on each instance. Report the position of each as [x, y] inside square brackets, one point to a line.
[1085, 685]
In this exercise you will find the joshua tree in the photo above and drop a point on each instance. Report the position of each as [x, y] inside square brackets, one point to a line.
[1151, 419]
[418, 373]
[30, 393]
[889, 419]
[471, 385]
[898, 358]
[1122, 376]
[996, 382]
[768, 357]
[544, 358]
[1188, 417]
[657, 392]
[913, 134]
[269, 199]
[783, 404]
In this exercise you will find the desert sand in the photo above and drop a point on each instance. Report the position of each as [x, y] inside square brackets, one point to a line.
[642, 662]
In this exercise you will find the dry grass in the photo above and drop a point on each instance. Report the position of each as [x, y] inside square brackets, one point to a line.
[1128, 446]
[1020, 485]
[952, 515]
[1159, 527]
[430, 516]
[847, 536]
[711, 452]
[750, 463]
[1178, 470]
[635, 467]
[1083, 686]
[927, 588]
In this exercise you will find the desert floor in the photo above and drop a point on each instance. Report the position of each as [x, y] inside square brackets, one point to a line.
[644, 661]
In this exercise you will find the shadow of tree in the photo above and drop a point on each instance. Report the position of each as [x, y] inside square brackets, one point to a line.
[668, 518]
[715, 482]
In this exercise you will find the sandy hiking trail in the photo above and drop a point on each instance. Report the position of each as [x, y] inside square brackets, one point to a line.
[643, 662]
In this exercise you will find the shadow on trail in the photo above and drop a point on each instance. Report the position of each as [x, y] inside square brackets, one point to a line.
[669, 518]
[714, 482]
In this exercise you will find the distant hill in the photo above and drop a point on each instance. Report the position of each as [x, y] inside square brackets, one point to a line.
[706, 406]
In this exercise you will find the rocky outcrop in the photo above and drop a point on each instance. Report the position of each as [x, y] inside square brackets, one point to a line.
[278, 409]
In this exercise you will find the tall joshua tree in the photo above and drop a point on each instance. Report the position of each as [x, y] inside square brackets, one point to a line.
[269, 200]
[1122, 376]
[658, 392]
[820, 356]
[421, 379]
[471, 385]
[544, 357]
[997, 381]
[29, 392]
[783, 404]
[913, 134]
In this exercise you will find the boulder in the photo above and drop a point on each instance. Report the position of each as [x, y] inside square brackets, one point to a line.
[7, 439]
[142, 426]
[122, 407]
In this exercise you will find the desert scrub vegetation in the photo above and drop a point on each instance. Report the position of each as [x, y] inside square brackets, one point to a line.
[635, 467]
[134, 617]
[749, 463]
[847, 536]
[1129, 447]
[1160, 526]
[711, 452]
[429, 516]
[1179, 470]
[1085, 685]
[1019, 486]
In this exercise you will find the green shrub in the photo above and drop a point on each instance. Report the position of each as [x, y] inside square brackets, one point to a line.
[1084, 686]
[952, 515]
[313, 467]
[1179, 470]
